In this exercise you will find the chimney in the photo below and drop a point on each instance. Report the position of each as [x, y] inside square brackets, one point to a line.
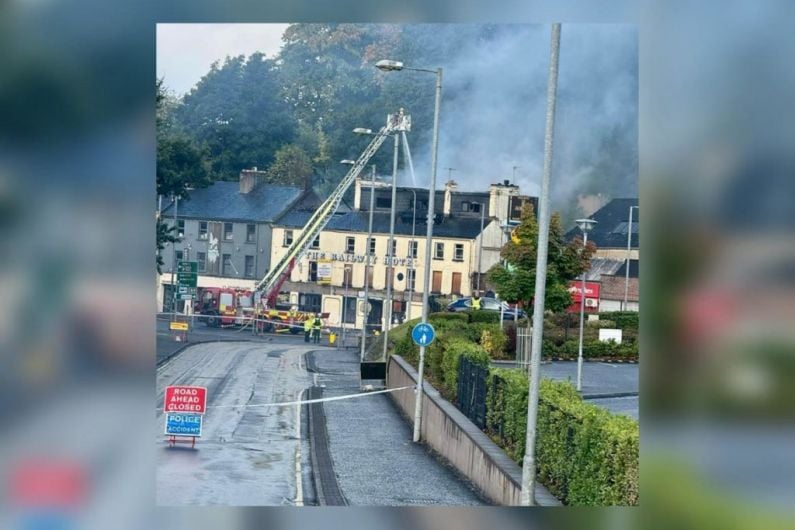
[449, 187]
[500, 199]
[250, 179]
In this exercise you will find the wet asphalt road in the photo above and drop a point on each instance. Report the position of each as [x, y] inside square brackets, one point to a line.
[246, 455]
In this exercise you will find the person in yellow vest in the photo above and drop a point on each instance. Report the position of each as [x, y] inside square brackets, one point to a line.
[316, 325]
[307, 328]
[476, 301]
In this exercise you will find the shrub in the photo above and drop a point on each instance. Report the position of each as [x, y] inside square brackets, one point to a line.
[491, 317]
[494, 341]
[585, 455]
[510, 338]
[623, 319]
[462, 316]
[600, 324]
[454, 350]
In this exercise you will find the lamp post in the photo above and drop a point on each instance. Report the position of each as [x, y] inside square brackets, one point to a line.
[174, 288]
[480, 245]
[388, 65]
[346, 281]
[629, 250]
[390, 249]
[412, 257]
[585, 226]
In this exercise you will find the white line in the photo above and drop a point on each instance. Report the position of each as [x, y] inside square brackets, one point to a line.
[611, 365]
[320, 400]
[299, 486]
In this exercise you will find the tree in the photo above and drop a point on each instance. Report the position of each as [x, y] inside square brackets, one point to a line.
[291, 167]
[566, 260]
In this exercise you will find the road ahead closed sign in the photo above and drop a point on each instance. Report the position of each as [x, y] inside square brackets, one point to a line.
[191, 399]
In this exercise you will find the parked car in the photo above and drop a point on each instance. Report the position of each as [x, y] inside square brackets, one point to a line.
[486, 304]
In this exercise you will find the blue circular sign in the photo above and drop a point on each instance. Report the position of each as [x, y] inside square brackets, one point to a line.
[423, 334]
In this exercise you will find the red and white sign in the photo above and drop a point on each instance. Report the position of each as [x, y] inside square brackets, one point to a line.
[591, 296]
[185, 399]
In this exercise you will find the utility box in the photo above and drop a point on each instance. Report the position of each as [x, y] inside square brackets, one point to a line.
[606, 335]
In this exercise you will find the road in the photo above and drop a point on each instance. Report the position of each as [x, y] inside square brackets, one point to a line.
[247, 456]
[613, 386]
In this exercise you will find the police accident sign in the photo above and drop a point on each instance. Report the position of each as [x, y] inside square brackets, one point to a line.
[183, 424]
[182, 398]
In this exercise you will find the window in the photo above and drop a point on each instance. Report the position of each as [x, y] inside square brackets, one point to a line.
[179, 255]
[316, 242]
[372, 246]
[459, 252]
[394, 247]
[369, 274]
[251, 233]
[475, 207]
[228, 234]
[202, 229]
[347, 275]
[349, 309]
[350, 245]
[413, 249]
[313, 271]
[201, 259]
[181, 228]
[383, 202]
[288, 238]
[249, 267]
[411, 279]
[226, 265]
[438, 251]
[389, 277]
[436, 283]
[309, 302]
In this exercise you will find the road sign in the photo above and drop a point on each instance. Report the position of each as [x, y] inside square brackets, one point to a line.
[191, 267]
[178, 326]
[179, 424]
[186, 279]
[423, 334]
[185, 399]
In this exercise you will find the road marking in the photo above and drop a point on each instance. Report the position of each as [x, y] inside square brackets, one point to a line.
[611, 365]
[299, 485]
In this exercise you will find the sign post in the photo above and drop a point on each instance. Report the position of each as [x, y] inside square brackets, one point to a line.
[184, 407]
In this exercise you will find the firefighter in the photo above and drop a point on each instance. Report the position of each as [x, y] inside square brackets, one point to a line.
[316, 325]
[476, 301]
[307, 329]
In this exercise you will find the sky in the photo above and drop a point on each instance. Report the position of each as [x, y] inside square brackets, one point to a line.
[186, 51]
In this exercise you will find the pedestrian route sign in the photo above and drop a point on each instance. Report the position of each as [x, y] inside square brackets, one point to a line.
[423, 334]
[180, 424]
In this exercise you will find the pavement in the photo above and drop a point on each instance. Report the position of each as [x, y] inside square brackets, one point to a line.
[375, 460]
[613, 386]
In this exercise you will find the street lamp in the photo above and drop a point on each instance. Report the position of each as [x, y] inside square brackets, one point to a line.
[585, 225]
[411, 256]
[629, 250]
[347, 162]
[388, 66]
[480, 245]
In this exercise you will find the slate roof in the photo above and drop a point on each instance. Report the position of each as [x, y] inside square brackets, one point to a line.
[611, 228]
[634, 269]
[222, 201]
[452, 227]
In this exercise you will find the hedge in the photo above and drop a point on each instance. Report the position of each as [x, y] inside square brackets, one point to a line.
[623, 319]
[491, 317]
[454, 349]
[586, 456]
[591, 349]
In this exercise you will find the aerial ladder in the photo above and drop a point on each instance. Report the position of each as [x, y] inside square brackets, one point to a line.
[271, 284]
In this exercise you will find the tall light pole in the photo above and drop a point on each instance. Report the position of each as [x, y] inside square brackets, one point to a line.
[346, 281]
[480, 246]
[585, 226]
[412, 257]
[450, 172]
[388, 65]
[629, 250]
[527, 497]
[174, 288]
[390, 254]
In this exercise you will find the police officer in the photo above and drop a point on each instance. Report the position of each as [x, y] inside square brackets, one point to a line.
[308, 328]
[316, 325]
[476, 301]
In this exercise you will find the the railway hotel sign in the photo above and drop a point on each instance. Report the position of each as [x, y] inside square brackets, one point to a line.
[360, 258]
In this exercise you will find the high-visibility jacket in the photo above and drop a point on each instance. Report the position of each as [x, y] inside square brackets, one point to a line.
[308, 324]
[475, 303]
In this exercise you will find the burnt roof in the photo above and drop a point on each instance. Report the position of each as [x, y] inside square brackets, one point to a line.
[612, 223]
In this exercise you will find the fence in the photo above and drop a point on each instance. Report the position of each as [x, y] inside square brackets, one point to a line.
[472, 391]
[523, 338]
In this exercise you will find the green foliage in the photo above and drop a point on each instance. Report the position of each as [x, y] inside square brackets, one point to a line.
[623, 319]
[165, 234]
[566, 261]
[494, 342]
[292, 166]
[484, 316]
[585, 455]
[455, 349]
[592, 349]
[462, 316]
